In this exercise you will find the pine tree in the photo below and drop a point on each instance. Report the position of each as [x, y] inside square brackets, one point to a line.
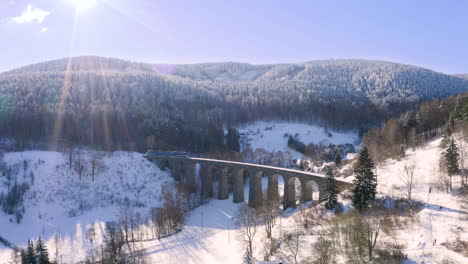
[365, 182]
[42, 254]
[448, 132]
[30, 256]
[330, 186]
[232, 139]
[451, 157]
[338, 158]
[460, 111]
[23, 257]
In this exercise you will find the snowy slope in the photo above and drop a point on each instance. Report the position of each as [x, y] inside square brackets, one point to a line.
[58, 202]
[210, 235]
[216, 242]
[270, 136]
[441, 220]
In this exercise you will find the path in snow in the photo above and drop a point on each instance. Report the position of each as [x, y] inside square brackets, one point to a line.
[441, 218]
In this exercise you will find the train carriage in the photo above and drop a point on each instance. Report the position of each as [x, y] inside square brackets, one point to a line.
[167, 153]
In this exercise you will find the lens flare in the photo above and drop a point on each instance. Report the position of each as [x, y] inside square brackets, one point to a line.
[83, 4]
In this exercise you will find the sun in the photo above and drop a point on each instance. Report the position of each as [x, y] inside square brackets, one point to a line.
[83, 4]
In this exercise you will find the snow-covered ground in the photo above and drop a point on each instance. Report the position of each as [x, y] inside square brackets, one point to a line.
[58, 202]
[273, 136]
[210, 235]
[441, 220]
[424, 240]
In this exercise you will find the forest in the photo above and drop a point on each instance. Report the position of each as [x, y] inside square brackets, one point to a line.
[417, 127]
[115, 104]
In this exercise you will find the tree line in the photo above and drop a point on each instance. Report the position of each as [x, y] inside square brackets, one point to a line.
[116, 104]
[447, 118]
[411, 129]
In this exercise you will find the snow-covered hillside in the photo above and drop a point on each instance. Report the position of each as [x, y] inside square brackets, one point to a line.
[440, 221]
[273, 136]
[59, 202]
[210, 234]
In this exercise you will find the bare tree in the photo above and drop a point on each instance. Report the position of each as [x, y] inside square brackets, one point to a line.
[408, 181]
[269, 213]
[463, 154]
[71, 150]
[291, 242]
[137, 256]
[323, 250]
[126, 216]
[248, 220]
[96, 163]
[362, 232]
[15, 257]
[270, 248]
[79, 165]
[372, 227]
[154, 222]
[168, 219]
[139, 226]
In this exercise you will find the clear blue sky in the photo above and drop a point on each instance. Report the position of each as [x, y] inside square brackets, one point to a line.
[432, 34]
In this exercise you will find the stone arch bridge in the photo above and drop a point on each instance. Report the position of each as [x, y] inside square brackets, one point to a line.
[231, 175]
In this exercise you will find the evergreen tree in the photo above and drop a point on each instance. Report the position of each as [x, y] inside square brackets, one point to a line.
[448, 132]
[23, 257]
[30, 256]
[338, 158]
[330, 187]
[232, 140]
[42, 254]
[365, 183]
[460, 111]
[451, 157]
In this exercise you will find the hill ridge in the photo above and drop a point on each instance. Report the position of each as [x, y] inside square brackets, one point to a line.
[197, 100]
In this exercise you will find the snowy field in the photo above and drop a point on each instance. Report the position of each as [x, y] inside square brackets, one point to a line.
[441, 220]
[272, 136]
[210, 234]
[58, 202]
[57, 191]
[425, 240]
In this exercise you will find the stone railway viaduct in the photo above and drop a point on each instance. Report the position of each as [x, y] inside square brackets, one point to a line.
[231, 175]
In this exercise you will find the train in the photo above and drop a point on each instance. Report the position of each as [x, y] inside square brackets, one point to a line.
[167, 153]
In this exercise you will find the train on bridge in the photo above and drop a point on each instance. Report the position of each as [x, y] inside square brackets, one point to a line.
[159, 153]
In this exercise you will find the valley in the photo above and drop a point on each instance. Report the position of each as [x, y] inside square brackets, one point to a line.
[209, 229]
[92, 195]
[253, 132]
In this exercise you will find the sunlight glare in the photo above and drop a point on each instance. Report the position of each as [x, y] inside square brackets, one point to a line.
[83, 4]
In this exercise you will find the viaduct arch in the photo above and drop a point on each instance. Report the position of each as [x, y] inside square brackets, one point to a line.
[236, 174]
